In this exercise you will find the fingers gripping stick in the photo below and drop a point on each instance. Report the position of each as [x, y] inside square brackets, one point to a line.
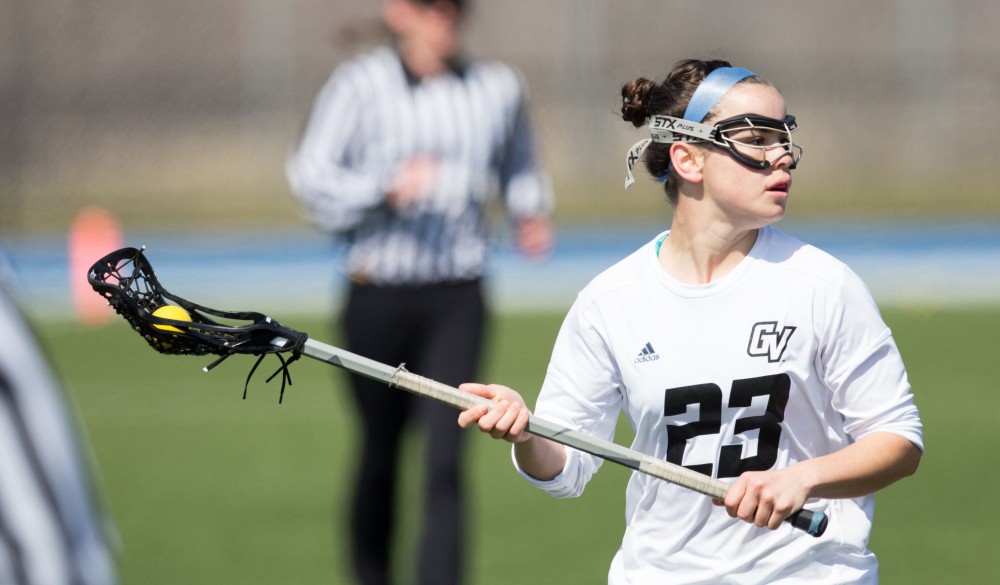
[125, 278]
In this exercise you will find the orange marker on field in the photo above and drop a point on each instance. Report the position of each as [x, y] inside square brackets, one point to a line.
[93, 232]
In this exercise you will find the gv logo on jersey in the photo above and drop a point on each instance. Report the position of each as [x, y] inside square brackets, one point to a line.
[767, 341]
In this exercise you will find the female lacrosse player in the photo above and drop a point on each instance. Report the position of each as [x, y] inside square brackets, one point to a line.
[735, 350]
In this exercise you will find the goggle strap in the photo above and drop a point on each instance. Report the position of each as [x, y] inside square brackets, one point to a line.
[666, 129]
[633, 156]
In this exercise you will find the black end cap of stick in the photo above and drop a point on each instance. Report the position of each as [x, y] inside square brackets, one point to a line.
[812, 522]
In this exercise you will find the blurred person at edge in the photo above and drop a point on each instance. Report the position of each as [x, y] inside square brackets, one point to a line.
[405, 150]
[733, 349]
[53, 530]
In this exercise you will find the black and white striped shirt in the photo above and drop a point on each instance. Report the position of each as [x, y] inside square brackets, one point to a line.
[370, 118]
[51, 531]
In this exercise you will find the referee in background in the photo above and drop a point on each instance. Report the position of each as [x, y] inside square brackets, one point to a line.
[406, 149]
[52, 532]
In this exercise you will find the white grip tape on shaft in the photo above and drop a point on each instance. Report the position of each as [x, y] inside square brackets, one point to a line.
[422, 386]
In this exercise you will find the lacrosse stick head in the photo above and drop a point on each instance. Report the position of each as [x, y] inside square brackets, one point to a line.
[126, 279]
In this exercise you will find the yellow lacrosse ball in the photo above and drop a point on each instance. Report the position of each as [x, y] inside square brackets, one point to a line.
[171, 312]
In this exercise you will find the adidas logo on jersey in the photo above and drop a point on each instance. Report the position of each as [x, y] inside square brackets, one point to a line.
[648, 354]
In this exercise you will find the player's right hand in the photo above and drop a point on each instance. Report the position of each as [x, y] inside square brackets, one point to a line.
[507, 420]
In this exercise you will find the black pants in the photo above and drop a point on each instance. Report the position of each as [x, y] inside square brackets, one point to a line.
[437, 331]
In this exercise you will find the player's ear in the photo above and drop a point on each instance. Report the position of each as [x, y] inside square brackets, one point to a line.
[688, 161]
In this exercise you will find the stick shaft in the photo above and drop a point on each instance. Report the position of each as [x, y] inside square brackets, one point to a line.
[572, 438]
[812, 522]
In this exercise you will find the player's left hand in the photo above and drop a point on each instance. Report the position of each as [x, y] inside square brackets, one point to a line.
[765, 498]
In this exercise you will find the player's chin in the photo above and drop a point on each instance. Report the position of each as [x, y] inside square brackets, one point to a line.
[777, 203]
[768, 214]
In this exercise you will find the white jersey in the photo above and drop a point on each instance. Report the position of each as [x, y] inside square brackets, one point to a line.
[784, 359]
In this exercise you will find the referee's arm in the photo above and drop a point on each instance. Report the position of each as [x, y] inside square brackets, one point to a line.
[527, 190]
[336, 197]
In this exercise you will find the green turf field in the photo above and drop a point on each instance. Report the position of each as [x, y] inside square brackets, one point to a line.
[208, 488]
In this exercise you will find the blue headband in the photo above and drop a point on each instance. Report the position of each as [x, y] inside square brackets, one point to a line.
[711, 89]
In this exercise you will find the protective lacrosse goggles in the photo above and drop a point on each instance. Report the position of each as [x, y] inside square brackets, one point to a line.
[749, 138]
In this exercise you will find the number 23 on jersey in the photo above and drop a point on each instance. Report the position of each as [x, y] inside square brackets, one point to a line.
[709, 399]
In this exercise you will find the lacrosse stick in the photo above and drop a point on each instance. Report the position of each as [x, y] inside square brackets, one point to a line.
[126, 279]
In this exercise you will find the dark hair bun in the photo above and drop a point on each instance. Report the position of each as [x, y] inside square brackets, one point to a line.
[635, 100]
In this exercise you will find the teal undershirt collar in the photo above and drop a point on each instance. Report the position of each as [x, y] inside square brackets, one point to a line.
[659, 243]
